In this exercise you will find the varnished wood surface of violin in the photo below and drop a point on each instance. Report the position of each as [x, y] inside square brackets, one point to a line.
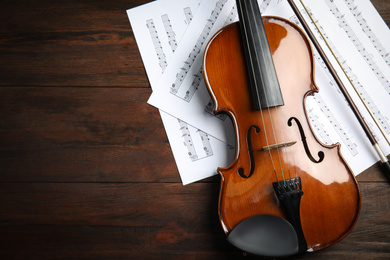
[330, 203]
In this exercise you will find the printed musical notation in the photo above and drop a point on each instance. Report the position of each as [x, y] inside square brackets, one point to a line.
[188, 140]
[232, 16]
[157, 44]
[187, 89]
[367, 57]
[315, 117]
[357, 13]
[188, 14]
[340, 130]
[181, 90]
[165, 22]
[169, 30]
[180, 76]
[264, 5]
[204, 137]
[358, 52]
[197, 154]
[210, 109]
[358, 44]
[198, 78]
[319, 127]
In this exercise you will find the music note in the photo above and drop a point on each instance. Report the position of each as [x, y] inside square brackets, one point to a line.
[197, 149]
[232, 16]
[264, 5]
[170, 33]
[319, 127]
[340, 130]
[206, 143]
[188, 140]
[157, 44]
[188, 14]
[195, 51]
[362, 50]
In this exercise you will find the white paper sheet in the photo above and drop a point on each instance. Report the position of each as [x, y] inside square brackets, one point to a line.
[182, 90]
[158, 28]
[331, 118]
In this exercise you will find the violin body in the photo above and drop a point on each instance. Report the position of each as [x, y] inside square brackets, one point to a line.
[277, 143]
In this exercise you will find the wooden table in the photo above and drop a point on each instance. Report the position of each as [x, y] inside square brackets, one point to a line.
[86, 171]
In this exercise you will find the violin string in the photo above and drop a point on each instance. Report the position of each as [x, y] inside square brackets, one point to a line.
[284, 148]
[257, 93]
[284, 139]
[268, 109]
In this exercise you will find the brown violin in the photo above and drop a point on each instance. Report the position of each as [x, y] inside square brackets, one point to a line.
[286, 193]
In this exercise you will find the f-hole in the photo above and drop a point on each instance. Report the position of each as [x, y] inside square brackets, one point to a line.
[321, 154]
[241, 171]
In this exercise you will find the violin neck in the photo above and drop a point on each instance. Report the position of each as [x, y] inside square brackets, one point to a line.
[261, 71]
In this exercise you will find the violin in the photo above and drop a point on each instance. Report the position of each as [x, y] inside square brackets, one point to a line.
[286, 193]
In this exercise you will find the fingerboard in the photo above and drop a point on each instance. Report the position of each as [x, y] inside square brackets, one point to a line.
[261, 71]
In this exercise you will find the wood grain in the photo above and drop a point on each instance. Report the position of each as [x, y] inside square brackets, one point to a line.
[86, 171]
[67, 134]
[74, 43]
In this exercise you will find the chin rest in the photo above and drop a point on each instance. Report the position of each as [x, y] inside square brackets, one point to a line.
[265, 235]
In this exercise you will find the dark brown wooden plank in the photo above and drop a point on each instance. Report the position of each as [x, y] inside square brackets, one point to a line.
[82, 135]
[99, 242]
[151, 220]
[374, 173]
[73, 15]
[383, 8]
[117, 204]
[98, 65]
[72, 43]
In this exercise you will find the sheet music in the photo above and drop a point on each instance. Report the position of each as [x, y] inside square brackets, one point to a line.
[182, 87]
[182, 93]
[360, 40]
[157, 26]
